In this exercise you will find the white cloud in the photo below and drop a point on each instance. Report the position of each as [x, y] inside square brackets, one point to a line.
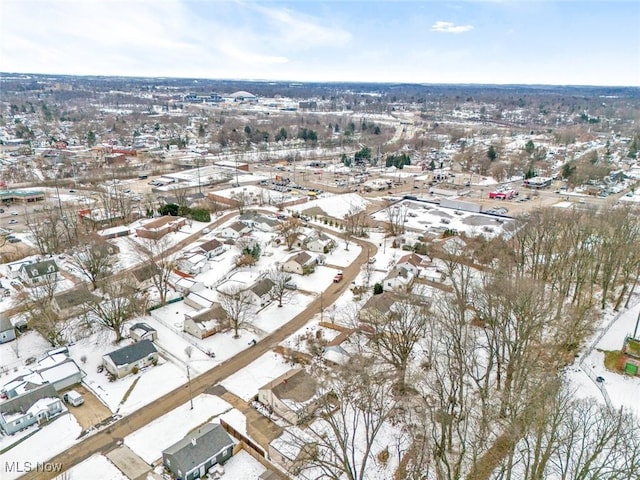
[449, 27]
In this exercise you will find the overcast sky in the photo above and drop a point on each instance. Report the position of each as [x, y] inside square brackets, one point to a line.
[585, 42]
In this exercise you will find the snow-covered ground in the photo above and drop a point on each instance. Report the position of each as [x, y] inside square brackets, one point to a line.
[246, 382]
[336, 206]
[41, 446]
[152, 439]
[623, 390]
[96, 467]
[420, 216]
[152, 382]
[243, 466]
[13, 354]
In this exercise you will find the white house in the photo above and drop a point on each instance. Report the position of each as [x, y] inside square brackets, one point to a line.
[260, 292]
[201, 299]
[398, 278]
[235, 230]
[298, 262]
[187, 285]
[205, 322]
[211, 249]
[318, 242]
[123, 361]
[193, 263]
[413, 263]
[37, 272]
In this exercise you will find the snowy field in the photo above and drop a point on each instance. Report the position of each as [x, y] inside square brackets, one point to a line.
[273, 317]
[152, 439]
[246, 382]
[96, 467]
[43, 445]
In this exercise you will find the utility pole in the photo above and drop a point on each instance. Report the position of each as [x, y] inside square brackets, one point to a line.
[190, 391]
[635, 330]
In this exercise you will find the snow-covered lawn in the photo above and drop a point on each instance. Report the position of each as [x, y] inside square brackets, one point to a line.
[273, 317]
[341, 257]
[243, 466]
[46, 443]
[153, 381]
[317, 282]
[246, 382]
[152, 439]
[96, 467]
[13, 354]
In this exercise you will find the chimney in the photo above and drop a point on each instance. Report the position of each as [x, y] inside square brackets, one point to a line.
[194, 442]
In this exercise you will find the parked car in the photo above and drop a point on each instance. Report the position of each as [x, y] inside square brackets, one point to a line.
[13, 212]
[13, 221]
[13, 240]
[206, 230]
[73, 398]
[338, 277]
[291, 286]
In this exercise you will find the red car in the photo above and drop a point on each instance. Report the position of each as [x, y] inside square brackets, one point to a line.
[337, 278]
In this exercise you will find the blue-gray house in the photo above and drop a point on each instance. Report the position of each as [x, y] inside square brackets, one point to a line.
[195, 454]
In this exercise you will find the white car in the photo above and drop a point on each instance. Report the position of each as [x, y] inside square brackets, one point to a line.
[13, 212]
[73, 398]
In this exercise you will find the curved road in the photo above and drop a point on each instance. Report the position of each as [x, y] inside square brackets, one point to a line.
[108, 438]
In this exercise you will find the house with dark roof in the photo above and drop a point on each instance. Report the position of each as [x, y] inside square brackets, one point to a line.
[399, 278]
[35, 406]
[73, 302]
[142, 331]
[143, 275]
[260, 292]
[318, 242]
[211, 248]
[39, 271]
[299, 263]
[123, 361]
[7, 330]
[377, 306]
[259, 222]
[205, 322]
[294, 395]
[195, 454]
[235, 230]
[104, 249]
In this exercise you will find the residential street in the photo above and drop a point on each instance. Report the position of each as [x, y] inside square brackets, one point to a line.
[108, 439]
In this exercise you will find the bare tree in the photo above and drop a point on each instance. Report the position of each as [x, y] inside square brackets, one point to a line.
[121, 302]
[356, 222]
[280, 280]
[396, 218]
[238, 306]
[93, 261]
[290, 230]
[156, 255]
[357, 405]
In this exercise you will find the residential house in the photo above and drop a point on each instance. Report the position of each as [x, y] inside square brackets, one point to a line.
[433, 274]
[73, 302]
[259, 222]
[35, 406]
[142, 331]
[201, 299]
[143, 275]
[7, 331]
[318, 242]
[159, 227]
[377, 306]
[211, 248]
[299, 263]
[205, 322]
[260, 292]
[193, 263]
[15, 268]
[186, 285]
[104, 249]
[399, 278]
[293, 448]
[33, 273]
[294, 395]
[58, 370]
[195, 454]
[414, 263]
[235, 230]
[123, 361]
